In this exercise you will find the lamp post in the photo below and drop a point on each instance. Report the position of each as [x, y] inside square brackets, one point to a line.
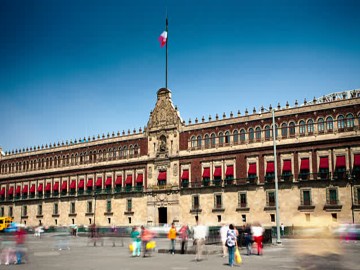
[351, 179]
[277, 216]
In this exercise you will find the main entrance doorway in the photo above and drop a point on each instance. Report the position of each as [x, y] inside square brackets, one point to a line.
[162, 215]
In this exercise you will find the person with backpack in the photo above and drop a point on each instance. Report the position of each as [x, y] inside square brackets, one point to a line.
[231, 243]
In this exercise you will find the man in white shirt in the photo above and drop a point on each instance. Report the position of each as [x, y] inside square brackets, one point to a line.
[223, 235]
[200, 234]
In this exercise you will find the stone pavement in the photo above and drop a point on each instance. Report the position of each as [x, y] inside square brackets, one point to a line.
[44, 254]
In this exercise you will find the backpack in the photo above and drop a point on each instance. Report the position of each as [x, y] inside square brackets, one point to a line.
[231, 238]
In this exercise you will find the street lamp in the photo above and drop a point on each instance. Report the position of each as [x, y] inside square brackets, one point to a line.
[351, 179]
[277, 217]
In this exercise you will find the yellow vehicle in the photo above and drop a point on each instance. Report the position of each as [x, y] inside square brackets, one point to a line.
[5, 222]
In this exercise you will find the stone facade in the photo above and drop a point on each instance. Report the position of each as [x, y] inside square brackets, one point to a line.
[221, 170]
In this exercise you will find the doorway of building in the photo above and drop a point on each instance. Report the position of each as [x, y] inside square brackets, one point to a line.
[162, 215]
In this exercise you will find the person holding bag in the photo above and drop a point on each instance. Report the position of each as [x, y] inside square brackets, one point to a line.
[231, 243]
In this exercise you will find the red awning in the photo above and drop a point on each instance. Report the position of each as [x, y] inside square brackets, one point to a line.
[287, 166]
[229, 170]
[11, 191]
[217, 172]
[162, 175]
[357, 160]
[108, 181]
[206, 173]
[340, 162]
[118, 180]
[185, 175]
[324, 163]
[89, 183]
[18, 190]
[270, 167]
[32, 189]
[128, 180]
[73, 184]
[140, 178]
[252, 168]
[40, 187]
[305, 164]
[25, 189]
[48, 187]
[64, 185]
[81, 183]
[99, 182]
[56, 186]
[2, 192]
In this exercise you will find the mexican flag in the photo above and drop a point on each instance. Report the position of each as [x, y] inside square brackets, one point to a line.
[163, 38]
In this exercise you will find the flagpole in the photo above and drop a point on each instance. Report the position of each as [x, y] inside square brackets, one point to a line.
[166, 57]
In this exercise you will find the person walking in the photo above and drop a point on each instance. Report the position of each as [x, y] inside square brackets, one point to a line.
[184, 236]
[200, 234]
[146, 236]
[136, 241]
[231, 242]
[223, 235]
[257, 231]
[172, 238]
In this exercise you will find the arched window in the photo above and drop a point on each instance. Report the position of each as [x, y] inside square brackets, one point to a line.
[73, 159]
[213, 139]
[227, 137]
[349, 120]
[258, 133]
[340, 122]
[310, 126]
[131, 150]
[267, 132]
[321, 125]
[121, 152]
[284, 130]
[193, 141]
[236, 136]
[329, 123]
[221, 138]
[136, 149]
[302, 127]
[198, 141]
[251, 134]
[207, 140]
[125, 152]
[292, 129]
[242, 135]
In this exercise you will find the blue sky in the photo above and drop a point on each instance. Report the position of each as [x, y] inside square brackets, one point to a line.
[71, 69]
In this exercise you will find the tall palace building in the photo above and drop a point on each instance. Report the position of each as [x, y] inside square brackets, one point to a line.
[220, 169]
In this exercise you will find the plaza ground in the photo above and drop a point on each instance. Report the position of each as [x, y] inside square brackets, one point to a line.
[44, 254]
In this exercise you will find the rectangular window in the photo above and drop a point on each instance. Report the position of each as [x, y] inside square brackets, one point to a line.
[243, 218]
[218, 201]
[108, 206]
[55, 209]
[272, 217]
[242, 199]
[334, 217]
[307, 217]
[357, 195]
[331, 196]
[270, 198]
[305, 197]
[72, 208]
[195, 202]
[39, 210]
[2, 211]
[24, 211]
[89, 208]
[129, 205]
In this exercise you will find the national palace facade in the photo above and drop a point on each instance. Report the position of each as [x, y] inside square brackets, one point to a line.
[220, 169]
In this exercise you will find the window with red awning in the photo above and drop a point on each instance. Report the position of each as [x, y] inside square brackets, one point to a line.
[252, 169]
[162, 176]
[32, 189]
[18, 190]
[64, 185]
[206, 173]
[324, 163]
[56, 186]
[340, 162]
[48, 187]
[40, 188]
[270, 167]
[81, 184]
[305, 164]
[73, 184]
[99, 182]
[357, 160]
[217, 172]
[287, 166]
[25, 189]
[89, 183]
[128, 180]
[108, 181]
[11, 191]
[229, 171]
[118, 181]
[140, 178]
[2, 192]
[185, 175]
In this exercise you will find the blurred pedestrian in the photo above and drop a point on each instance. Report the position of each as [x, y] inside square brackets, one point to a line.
[200, 234]
[248, 238]
[184, 236]
[172, 238]
[146, 236]
[136, 241]
[282, 229]
[231, 242]
[257, 232]
[223, 234]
